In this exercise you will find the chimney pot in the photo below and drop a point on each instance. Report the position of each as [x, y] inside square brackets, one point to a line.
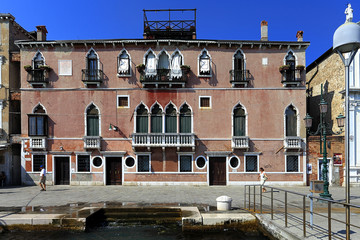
[299, 36]
[264, 31]
[41, 33]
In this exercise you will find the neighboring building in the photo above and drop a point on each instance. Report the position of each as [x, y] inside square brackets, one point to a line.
[10, 143]
[329, 70]
[130, 111]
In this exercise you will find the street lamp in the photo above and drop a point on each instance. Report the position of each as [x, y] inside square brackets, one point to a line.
[323, 130]
[347, 40]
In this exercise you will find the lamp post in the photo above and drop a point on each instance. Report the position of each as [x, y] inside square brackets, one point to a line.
[347, 40]
[323, 130]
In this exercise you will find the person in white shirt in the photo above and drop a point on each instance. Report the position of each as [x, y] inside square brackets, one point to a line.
[263, 177]
[42, 178]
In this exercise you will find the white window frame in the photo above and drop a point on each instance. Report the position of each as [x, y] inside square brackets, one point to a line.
[287, 53]
[32, 161]
[251, 154]
[86, 58]
[192, 162]
[210, 102]
[298, 156]
[206, 162]
[127, 158]
[137, 161]
[117, 101]
[118, 61]
[71, 68]
[232, 119]
[85, 118]
[90, 162]
[297, 119]
[244, 58]
[135, 116]
[192, 116]
[239, 163]
[210, 63]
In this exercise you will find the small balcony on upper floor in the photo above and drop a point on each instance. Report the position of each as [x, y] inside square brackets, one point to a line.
[38, 77]
[163, 140]
[240, 142]
[239, 78]
[292, 143]
[291, 77]
[92, 142]
[92, 77]
[38, 143]
[164, 78]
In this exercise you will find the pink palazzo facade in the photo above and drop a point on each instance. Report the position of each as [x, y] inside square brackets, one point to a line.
[93, 118]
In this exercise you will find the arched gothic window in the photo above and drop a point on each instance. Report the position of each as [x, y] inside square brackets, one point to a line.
[239, 119]
[142, 119]
[185, 119]
[291, 121]
[156, 119]
[170, 119]
[92, 121]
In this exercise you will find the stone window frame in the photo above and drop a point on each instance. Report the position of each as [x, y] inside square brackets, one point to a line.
[77, 165]
[196, 162]
[137, 162]
[239, 162]
[210, 102]
[258, 161]
[285, 164]
[92, 162]
[192, 162]
[32, 161]
[118, 102]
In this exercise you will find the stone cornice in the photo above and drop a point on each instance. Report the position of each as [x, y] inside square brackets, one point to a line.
[203, 43]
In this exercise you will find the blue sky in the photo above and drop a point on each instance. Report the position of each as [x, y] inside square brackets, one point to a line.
[234, 19]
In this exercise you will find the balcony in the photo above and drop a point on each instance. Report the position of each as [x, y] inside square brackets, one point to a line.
[163, 79]
[240, 142]
[38, 77]
[92, 77]
[163, 140]
[292, 143]
[92, 142]
[38, 143]
[239, 78]
[291, 77]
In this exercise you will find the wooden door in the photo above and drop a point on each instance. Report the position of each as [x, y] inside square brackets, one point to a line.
[62, 170]
[113, 171]
[217, 170]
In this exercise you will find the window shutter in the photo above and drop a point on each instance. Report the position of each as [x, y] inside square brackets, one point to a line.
[156, 124]
[170, 124]
[239, 125]
[142, 124]
[92, 126]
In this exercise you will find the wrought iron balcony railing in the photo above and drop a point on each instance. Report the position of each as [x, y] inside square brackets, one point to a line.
[38, 76]
[92, 76]
[239, 77]
[163, 77]
[163, 140]
[240, 142]
[38, 143]
[92, 142]
[291, 77]
[292, 143]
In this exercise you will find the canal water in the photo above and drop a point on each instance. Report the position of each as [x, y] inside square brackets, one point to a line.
[138, 232]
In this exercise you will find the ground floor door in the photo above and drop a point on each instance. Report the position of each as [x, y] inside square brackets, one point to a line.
[62, 170]
[217, 170]
[113, 170]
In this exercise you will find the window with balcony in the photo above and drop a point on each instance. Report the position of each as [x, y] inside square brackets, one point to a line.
[142, 119]
[185, 119]
[291, 74]
[251, 163]
[170, 119]
[93, 75]
[38, 160]
[163, 67]
[176, 63]
[239, 76]
[83, 163]
[150, 64]
[156, 119]
[290, 121]
[292, 163]
[38, 122]
[204, 62]
[185, 163]
[92, 121]
[143, 163]
[290, 61]
[124, 64]
[239, 119]
[38, 72]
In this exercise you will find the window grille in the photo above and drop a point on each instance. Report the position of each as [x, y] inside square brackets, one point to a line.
[123, 101]
[143, 164]
[83, 163]
[251, 164]
[38, 160]
[185, 164]
[292, 163]
[204, 102]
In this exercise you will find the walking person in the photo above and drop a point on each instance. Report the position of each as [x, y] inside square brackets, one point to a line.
[263, 177]
[42, 178]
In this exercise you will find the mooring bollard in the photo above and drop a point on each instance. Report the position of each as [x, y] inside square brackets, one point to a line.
[224, 203]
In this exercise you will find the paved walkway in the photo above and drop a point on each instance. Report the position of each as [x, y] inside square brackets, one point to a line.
[57, 196]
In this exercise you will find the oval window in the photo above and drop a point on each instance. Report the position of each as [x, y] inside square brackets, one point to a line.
[130, 162]
[234, 162]
[97, 161]
[200, 162]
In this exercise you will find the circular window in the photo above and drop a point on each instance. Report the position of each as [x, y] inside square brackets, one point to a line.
[130, 162]
[97, 161]
[234, 162]
[200, 162]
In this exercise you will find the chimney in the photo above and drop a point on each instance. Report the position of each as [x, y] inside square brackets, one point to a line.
[264, 30]
[299, 36]
[41, 33]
